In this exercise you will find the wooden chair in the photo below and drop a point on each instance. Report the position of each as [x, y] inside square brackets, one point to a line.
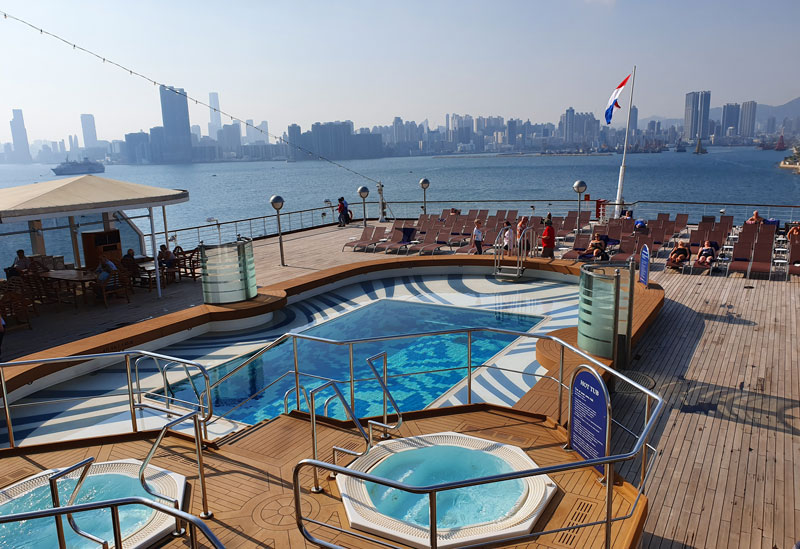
[113, 285]
[187, 263]
[15, 310]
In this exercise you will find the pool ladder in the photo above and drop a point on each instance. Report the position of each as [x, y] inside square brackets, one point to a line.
[368, 436]
[526, 240]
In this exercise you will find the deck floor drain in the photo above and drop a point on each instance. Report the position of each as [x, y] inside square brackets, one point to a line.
[580, 514]
[640, 378]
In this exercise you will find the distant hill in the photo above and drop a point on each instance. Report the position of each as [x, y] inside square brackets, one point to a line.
[763, 112]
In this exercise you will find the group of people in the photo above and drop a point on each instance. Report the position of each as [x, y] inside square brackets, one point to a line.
[680, 254]
[515, 238]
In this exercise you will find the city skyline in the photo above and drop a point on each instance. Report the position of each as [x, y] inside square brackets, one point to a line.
[335, 62]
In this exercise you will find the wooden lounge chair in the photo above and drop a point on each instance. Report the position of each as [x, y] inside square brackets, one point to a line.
[361, 241]
[740, 258]
[762, 258]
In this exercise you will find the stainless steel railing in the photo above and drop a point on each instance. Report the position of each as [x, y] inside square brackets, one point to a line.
[134, 391]
[114, 505]
[53, 482]
[640, 448]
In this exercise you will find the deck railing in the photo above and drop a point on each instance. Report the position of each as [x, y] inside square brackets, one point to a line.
[134, 392]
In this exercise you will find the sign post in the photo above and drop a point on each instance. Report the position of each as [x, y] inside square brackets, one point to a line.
[589, 415]
[644, 265]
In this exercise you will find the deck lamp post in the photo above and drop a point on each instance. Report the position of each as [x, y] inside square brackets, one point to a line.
[277, 203]
[363, 192]
[424, 184]
[580, 188]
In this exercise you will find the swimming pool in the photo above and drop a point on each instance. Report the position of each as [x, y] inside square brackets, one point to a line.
[384, 317]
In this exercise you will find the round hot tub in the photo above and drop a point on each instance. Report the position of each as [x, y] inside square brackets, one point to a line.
[464, 516]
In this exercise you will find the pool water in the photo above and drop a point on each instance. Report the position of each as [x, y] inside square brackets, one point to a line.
[455, 508]
[380, 318]
[41, 533]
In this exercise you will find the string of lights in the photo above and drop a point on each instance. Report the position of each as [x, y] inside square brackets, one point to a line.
[188, 97]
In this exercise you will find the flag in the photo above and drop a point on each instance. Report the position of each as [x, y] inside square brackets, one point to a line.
[612, 102]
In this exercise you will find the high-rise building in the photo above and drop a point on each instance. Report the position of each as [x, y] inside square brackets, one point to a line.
[634, 118]
[177, 132]
[730, 118]
[695, 117]
[511, 132]
[569, 126]
[89, 131]
[137, 148]
[249, 132]
[263, 133]
[294, 134]
[19, 135]
[747, 122]
[215, 123]
[771, 125]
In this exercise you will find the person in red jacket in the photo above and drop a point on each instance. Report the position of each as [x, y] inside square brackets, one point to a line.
[548, 240]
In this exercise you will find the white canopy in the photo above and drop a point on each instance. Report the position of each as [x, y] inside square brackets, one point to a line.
[81, 195]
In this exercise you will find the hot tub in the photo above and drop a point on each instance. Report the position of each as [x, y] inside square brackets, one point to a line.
[141, 526]
[465, 516]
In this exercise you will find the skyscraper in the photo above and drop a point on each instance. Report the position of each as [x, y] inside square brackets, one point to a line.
[177, 132]
[250, 132]
[89, 131]
[263, 134]
[216, 120]
[19, 135]
[730, 118]
[695, 117]
[293, 136]
[747, 123]
[634, 118]
[569, 126]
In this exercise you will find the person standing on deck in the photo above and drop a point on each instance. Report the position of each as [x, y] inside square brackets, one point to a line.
[548, 240]
[343, 214]
[477, 237]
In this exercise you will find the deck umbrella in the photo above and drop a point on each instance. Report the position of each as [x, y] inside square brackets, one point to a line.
[81, 195]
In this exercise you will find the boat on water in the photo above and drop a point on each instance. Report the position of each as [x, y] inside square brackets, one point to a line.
[74, 167]
[699, 149]
[679, 147]
[781, 144]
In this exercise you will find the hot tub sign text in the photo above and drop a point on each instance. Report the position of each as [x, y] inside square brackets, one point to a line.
[588, 423]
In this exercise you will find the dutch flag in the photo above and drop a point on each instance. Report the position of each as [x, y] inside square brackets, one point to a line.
[612, 102]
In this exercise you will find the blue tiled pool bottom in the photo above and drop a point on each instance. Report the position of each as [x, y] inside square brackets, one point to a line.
[380, 318]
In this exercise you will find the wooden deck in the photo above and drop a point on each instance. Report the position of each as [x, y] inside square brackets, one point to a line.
[250, 478]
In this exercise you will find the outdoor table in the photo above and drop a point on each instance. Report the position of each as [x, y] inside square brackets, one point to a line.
[72, 277]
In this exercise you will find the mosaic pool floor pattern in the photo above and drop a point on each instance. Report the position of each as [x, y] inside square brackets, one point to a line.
[556, 301]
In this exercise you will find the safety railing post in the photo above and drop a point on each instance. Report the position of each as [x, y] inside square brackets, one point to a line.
[647, 406]
[615, 351]
[201, 474]
[115, 526]
[469, 366]
[385, 396]
[316, 489]
[6, 408]
[296, 373]
[352, 380]
[560, 385]
[131, 402]
[609, 501]
[434, 533]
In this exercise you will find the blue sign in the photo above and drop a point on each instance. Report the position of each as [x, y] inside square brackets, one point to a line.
[644, 265]
[589, 416]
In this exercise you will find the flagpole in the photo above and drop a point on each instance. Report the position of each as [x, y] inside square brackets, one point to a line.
[618, 206]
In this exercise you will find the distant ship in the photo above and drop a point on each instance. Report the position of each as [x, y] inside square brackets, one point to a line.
[781, 145]
[77, 168]
[679, 148]
[699, 149]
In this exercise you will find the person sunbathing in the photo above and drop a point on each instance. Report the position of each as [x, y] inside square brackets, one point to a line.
[794, 232]
[755, 219]
[679, 254]
[597, 247]
[706, 254]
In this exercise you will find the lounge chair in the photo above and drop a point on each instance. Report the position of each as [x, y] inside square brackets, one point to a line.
[578, 247]
[625, 250]
[762, 258]
[406, 237]
[740, 258]
[430, 238]
[363, 240]
[793, 265]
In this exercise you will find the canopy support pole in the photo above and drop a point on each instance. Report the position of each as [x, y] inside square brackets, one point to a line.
[166, 232]
[155, 251]
[37, 237]
[73, 235]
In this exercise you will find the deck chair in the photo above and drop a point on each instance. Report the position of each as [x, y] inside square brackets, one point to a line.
[377, 236]
[680, 222]
[740, 258]
[407, 236]
[663, 217]
[793, 266]
[696, 240]
[625, 249]
[710, 265]
[512, 215]
[363, 240]
[396, 235]
[640, 243]
[578, 247]
[762, 258]
[430, 238]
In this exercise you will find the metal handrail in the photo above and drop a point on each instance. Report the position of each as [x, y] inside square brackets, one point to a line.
[53, 482]
[114, 504]
[198, 442]
[294, 390]
[134, 395]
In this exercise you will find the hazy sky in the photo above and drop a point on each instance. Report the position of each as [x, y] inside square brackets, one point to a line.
[368, 61]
